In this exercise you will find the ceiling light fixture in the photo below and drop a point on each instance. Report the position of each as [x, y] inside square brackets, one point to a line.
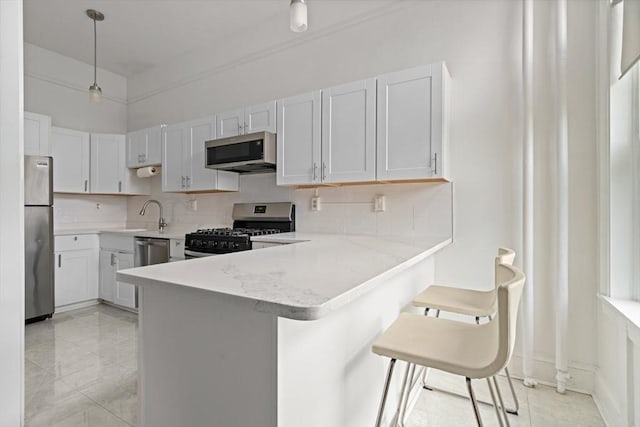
[298, 16]
[95, 92]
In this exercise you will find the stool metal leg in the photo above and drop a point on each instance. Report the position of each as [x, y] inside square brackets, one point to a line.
[504, 412]
[385, 391]
[513, 393]
[472, 395]
[403, 391]
[495, 403]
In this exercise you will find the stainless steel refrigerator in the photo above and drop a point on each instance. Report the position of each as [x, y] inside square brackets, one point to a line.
[38, 243]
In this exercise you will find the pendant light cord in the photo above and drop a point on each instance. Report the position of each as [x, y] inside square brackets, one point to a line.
[95, 52]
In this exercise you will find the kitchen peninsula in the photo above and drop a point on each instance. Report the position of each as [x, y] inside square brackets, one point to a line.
[278, 336]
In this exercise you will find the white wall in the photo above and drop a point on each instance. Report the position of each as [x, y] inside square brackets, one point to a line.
[11, 216]
[481, 44]
[57, 86]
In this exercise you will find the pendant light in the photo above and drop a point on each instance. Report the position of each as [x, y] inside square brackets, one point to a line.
[298, 16]
[95, 92]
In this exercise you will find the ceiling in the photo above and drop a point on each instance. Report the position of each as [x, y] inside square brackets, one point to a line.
[137, 35]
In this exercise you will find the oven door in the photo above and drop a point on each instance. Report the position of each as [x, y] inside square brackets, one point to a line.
[194, 254]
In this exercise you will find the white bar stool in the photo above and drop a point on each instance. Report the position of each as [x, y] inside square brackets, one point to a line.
[473, 351]
[470, 303]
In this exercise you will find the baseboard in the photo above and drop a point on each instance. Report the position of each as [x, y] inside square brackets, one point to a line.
[76, 306]
[131, 310]
[608, 406]
[581, 381]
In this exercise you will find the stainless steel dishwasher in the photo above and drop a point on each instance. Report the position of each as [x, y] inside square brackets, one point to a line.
[151, 251]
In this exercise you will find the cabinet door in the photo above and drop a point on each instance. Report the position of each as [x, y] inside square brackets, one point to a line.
[410, 107]
[107, 163]
[200, 178]
[298, 142]
[37, 128]
[260, 118]
[230, 123]
[174, 144]
[144, 147]
[137, 148]
[125, 294]
[70, 150]
[108, 262]
[76, 276]
[349, 132]
[154, 146]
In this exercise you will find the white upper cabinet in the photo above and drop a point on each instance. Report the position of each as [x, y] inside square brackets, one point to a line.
[109, 173]
[298, 143]
[349, 132]
[144, 147]
[184, 159]
[71, 162]
[260, 118]
[37, 129]
[93, 163]
[230, 123]
[257, 118]
[107, 163]
[412, 123]
[199, 177]
[174, 167]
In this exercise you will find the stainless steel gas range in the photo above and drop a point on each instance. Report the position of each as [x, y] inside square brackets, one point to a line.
[249, 219]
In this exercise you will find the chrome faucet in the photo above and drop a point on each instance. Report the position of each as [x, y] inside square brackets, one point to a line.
[161, 222]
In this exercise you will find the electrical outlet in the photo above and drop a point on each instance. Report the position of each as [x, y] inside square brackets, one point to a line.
[192, 205]
[379, 203]
[315, 203]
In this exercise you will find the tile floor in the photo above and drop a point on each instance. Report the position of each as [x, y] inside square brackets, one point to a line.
[81, 367]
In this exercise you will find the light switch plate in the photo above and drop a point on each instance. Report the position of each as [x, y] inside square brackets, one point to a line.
[379, 203]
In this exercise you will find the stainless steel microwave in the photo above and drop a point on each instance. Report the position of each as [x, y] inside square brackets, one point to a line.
[251, 153]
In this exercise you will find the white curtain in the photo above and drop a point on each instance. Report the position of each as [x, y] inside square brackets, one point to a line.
[630, 35]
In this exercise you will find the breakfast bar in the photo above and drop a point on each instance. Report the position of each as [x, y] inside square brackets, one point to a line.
[278, 336]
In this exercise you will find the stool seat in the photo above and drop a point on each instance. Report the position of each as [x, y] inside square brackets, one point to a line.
[456, 300]
[456, 347]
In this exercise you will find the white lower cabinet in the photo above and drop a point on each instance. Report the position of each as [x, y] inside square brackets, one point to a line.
[176, 250]
[76, 269]
[116, 256]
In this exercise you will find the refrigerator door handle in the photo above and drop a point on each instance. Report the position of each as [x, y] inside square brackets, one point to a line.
[59, 260]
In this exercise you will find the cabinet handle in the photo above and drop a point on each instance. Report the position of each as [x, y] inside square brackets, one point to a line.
[324, 171]
[315, 171]
[59, 260]
[182, 181]
[119, 186]
[113, 259]
[86, 185]
[188, 182]
[435, 163]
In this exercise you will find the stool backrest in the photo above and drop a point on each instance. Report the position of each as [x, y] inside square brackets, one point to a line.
[510, 284]
[505, 256]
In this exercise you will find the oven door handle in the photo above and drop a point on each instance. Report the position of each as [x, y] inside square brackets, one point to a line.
[194, 254]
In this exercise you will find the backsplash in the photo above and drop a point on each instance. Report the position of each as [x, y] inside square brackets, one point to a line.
[88, 211]
[411, 209]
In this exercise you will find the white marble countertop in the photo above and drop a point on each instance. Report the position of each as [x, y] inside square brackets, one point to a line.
[303, 281]
[129, 231]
